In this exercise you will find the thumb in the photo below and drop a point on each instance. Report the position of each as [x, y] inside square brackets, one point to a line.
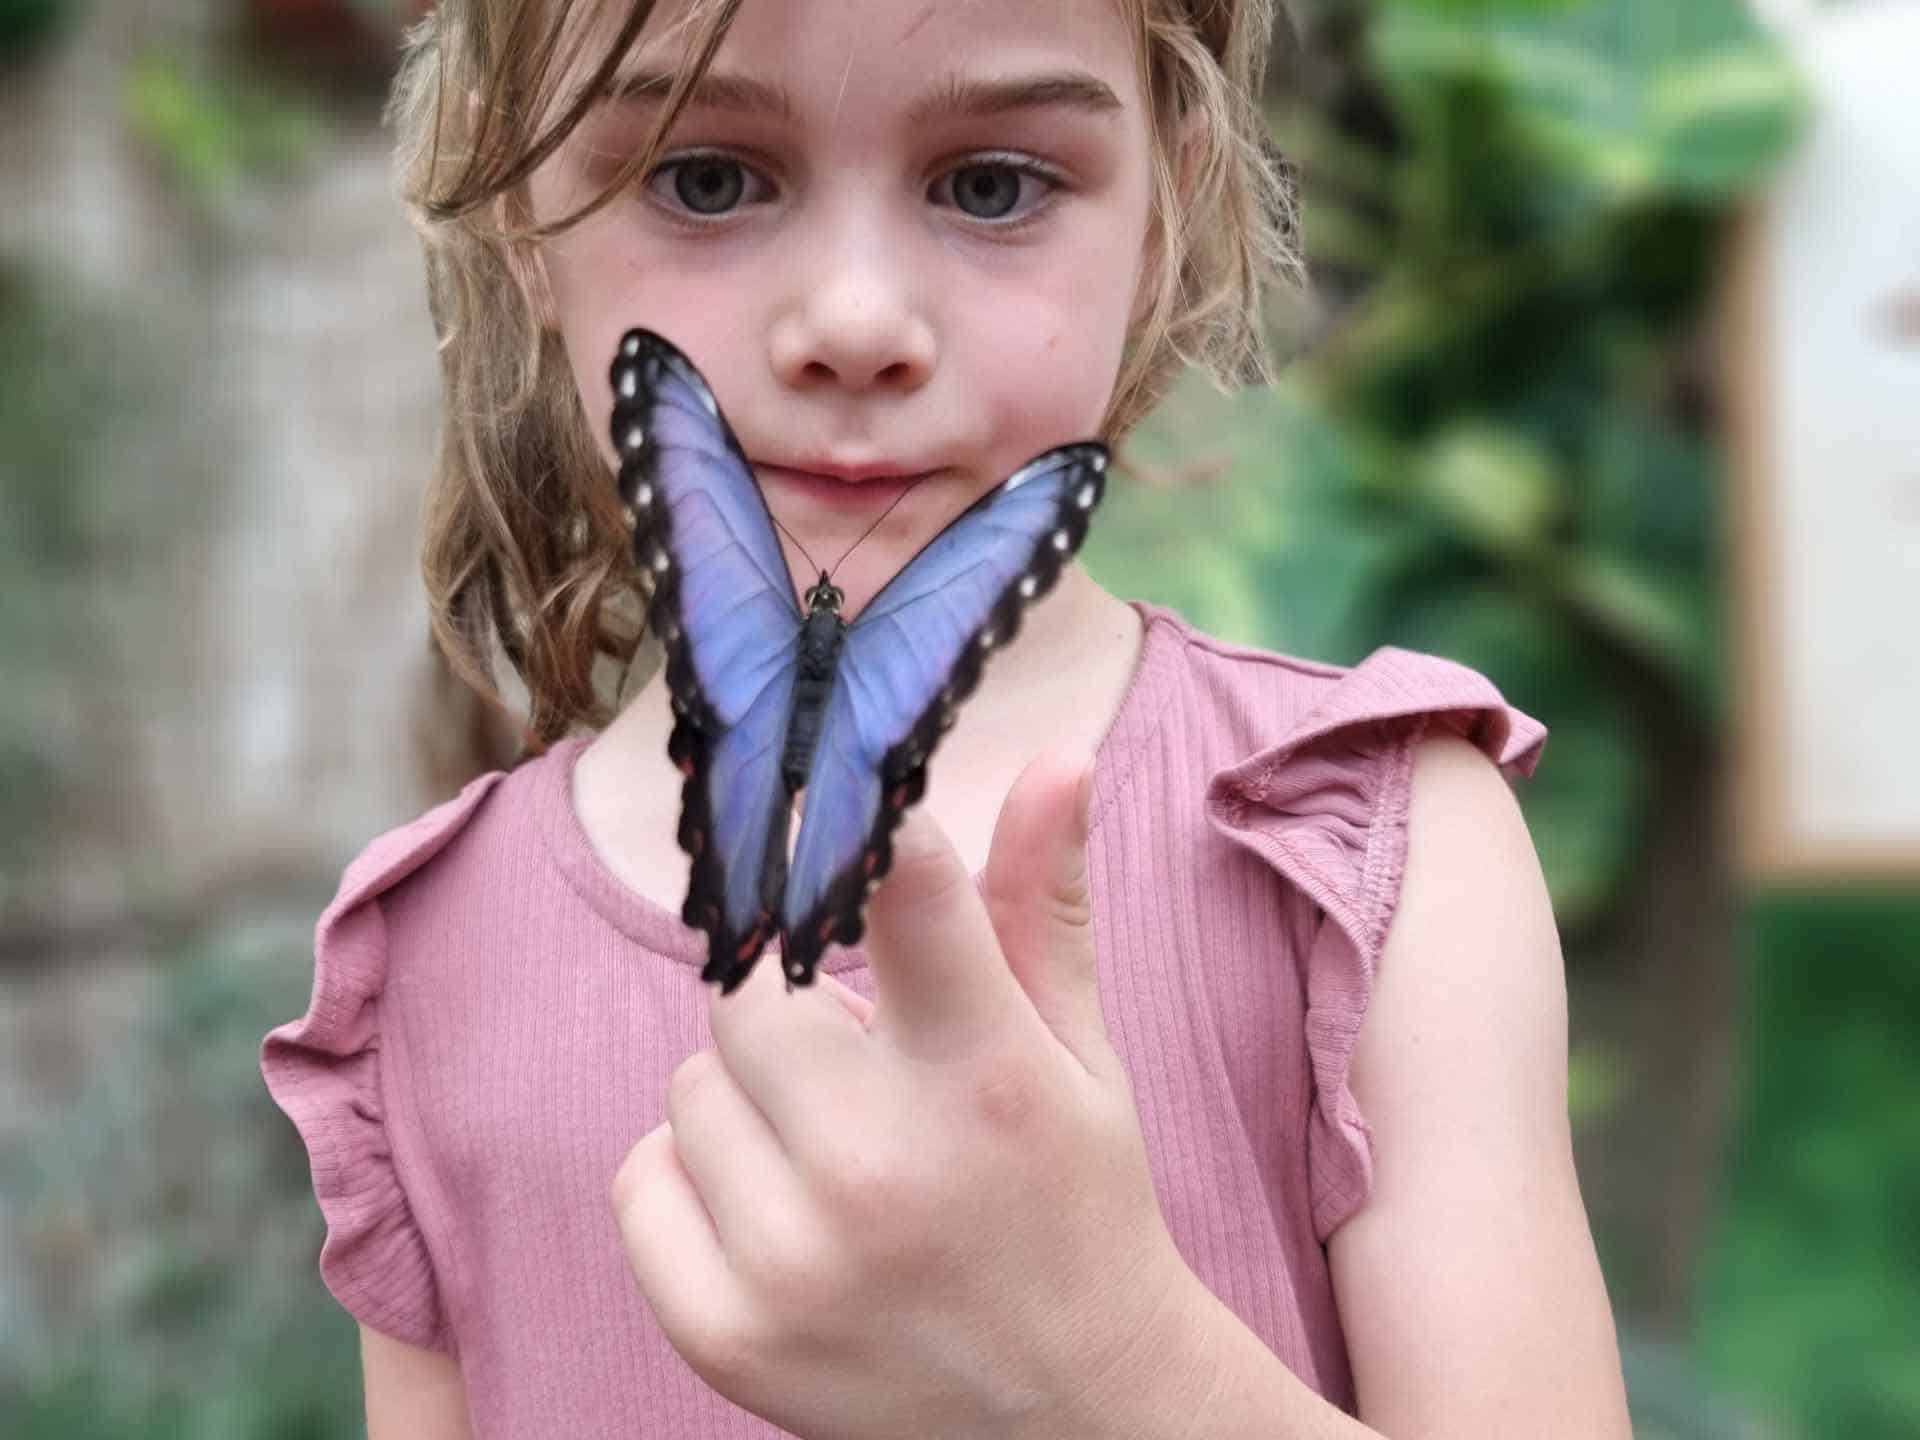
[1040, 902]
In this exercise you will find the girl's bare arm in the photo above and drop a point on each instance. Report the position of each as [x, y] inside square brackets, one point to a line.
[1468, 1286]
[412, 1394]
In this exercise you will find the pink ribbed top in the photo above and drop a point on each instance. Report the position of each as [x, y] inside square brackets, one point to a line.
[495, 1017]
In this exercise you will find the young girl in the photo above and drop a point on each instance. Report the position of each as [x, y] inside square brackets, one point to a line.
[1230, 1102]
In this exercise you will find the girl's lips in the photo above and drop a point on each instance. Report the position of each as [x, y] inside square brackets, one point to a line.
[833, 492]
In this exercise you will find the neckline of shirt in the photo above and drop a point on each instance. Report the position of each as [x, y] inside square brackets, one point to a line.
[652, 926]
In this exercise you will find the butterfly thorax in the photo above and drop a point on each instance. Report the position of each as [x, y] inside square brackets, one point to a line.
[819, 650]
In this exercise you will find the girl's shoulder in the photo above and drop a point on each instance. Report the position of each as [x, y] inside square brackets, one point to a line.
[1283, 704]
[324, 1069]
[1309, 766]
[394, 855]
[1305, 770]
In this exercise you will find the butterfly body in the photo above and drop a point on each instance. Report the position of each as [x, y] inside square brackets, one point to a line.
[821, 636]
[771, 702]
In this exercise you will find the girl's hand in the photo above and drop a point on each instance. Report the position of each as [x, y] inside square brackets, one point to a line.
[931, 1215]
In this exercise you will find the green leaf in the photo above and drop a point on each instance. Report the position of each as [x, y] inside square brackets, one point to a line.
[1630, 99]
[1495, 487]
[1720, 122]
[1663, 620]
[216, 131]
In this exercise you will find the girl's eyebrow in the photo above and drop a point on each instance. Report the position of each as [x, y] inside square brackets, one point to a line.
[955, 97]
[715, 90]
[965, 95]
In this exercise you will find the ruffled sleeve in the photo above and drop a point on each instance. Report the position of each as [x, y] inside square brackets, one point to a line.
[323, 1070]
[1326, 807]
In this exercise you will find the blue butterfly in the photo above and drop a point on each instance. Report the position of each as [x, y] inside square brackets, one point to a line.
[769, 701]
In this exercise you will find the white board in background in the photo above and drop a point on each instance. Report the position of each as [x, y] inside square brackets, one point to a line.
[1824, 361]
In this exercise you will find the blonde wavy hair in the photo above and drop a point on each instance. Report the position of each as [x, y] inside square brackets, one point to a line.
[526, 548]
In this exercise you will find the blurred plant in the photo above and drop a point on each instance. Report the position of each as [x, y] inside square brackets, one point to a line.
[1498, 447]
[55, 533]
[91, 422]
[25, 25]
[218, 129]
[1812, 1294]
[170, 1229]
[1671, 1401]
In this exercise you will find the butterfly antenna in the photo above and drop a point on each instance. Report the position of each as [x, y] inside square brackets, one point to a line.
[868, 531]
[798, 546]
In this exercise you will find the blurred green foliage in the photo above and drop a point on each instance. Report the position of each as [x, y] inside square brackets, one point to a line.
[210, 1322]
[1812, 1293]
[26, 25]
[216, 127]
[92, 423]
[1499, 447]
[55, 521]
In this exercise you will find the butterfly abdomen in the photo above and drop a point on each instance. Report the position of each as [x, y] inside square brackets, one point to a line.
[819, 652]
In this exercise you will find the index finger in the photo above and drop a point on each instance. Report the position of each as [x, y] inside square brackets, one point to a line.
[940, 978]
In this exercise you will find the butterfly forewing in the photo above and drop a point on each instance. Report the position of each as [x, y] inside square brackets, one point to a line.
[724, 607]
[912, 655]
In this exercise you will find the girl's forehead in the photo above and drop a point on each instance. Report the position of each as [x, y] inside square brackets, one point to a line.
[856, 48]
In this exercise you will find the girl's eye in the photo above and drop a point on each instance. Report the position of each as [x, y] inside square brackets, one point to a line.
[993, 189]
[704, 185]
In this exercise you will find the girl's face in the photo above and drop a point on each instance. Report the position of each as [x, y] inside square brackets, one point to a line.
[901, 238]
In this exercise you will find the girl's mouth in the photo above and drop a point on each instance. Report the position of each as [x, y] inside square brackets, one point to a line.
[866, 494]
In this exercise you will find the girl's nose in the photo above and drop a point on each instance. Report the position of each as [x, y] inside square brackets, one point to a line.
[857, 328]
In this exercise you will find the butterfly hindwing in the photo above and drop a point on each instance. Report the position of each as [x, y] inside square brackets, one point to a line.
[910, 658]
[723, 605]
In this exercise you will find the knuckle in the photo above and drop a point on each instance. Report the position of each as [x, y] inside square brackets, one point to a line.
[874, 1197]
[642, 1168]
[1048, 914]
[1071, 905]
[789, 1274]
[924, 876]
[1007, 1100]
[698, 1070]
[725, 1351]
[629, 1178]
